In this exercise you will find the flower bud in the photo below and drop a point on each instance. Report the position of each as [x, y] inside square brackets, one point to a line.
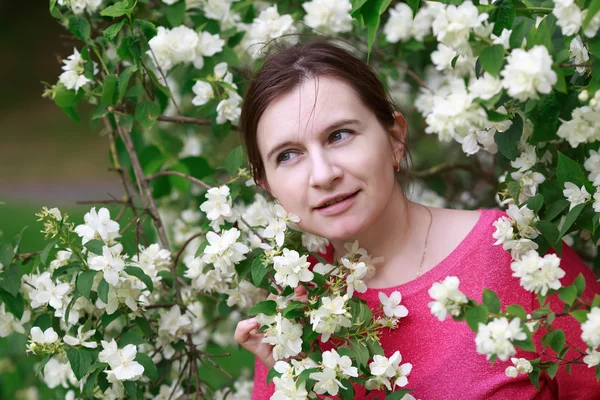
[512, 372]
[583, 96]
[593, 102]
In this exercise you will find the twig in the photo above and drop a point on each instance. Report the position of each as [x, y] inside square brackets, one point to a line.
[181, 174]
[412, 75]
[164, 305]
[142, 184]
[26, 256]
[587, 65]
[107, 201]
[188, 241]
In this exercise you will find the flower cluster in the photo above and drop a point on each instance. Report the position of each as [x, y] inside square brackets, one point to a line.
[538, 274]
[123, 366]
[516, 231]
[449, 300]
[497, 336]
[75, 76]
[182, 45]
[333, 368]
[387, 370]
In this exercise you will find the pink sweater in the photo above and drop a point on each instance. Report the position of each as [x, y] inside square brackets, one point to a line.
[443, 354]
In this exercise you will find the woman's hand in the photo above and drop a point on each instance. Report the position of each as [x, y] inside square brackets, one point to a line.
[247, 334]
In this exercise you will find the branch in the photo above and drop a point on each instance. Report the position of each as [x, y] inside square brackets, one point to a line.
[143, 187]
[181, 174]
[447, 167]
[165, 118]
[587, 65]
[184, 246]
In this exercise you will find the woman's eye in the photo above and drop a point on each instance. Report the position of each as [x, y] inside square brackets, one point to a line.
[285, 156]
[339, 135]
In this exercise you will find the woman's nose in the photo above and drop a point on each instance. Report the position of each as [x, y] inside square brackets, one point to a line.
[324, 172]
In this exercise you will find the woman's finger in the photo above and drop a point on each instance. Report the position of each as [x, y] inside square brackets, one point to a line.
[244, 329]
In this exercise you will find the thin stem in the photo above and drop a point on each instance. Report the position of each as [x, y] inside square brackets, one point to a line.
[181, 174]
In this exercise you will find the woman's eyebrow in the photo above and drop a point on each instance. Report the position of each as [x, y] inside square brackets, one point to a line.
[333, 126]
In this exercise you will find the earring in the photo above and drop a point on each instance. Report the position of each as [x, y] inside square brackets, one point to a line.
[397, 162]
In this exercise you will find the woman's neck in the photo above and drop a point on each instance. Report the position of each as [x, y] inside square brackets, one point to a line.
[397, 233]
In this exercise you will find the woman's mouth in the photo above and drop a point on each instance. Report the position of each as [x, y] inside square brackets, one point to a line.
[337, 205]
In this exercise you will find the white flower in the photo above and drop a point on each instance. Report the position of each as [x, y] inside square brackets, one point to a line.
[391, 305]
[218, 207]
[442, 57]
[331, 359]
[453, 25]
[390, 369]
[73, 77]
[47, 292]
[485, 87]
[398, 26]
[110, 264]
[267, 26]
[503, 39]
[285, 336]
[152, 260]
[575, 195]
[568, 16]
[81, 338]
[208, 45]
[173, 323]
[579, 54]
[9, 323]
[314, 243]
[203, 91]
[327, 382]
[330, 16]
[286, 389]
[596, 204]
[290, 268]
[529, 182]
[330, 317]
[229, 109]
[496, 337]
[590, 329]
[448, 299]
[48, 336]
[504, 230]
[592, 165]
[123, 365]
[593, 25]
[58, 373]
[528, 73]
[98, 225]
[220, 10]
[592, 359]
[526, 159]
[582, 128]
[520, 366]
[538, 274]
[224, 251]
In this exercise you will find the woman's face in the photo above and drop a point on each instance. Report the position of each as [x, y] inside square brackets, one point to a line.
[319, 143]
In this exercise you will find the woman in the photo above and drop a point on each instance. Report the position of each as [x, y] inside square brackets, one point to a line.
[325, 141]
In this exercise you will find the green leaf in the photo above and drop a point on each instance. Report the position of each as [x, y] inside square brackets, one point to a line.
[491, 301]
[64, 97]
[131, 389]
[550, 233]
[375, 347]
[371, 12]
[561, 82]
[10, 279]
[534, 377]
[398, 394]
[72, 113]
[146, 113]
[556, 209]
[107, 319]
[258, 271]
[475, 315]
[507, 141]
[14, 304]
[85, 280]
[579, 284]
[131, 337]
[150, 369]
[535, 203]
[6, 254]
[124, 80]
[571, 218]
[361, 351]
[526, 344]
[95, 246]
[594, 46]
[80, 359]
[543, 34]
[492, 59]
[593, 9]
[272, 374]
[116, 10]
[175, 13]
[568, 294]
[79, 27]
[347, 391]
[267, 307]
[552, 370]
[141, 275]
[545, 118]
[517, 311]
[568, 170]
[166, 277]
[234, 160]
[108, 90]
[556, 340]
[102, 291]
[148, 28]
[503, 16]
[518, 33]
[112, 31]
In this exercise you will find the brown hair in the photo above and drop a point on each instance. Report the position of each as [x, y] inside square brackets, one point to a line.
[288, 66]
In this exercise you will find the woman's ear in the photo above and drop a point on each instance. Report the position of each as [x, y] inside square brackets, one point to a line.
[398, 135]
